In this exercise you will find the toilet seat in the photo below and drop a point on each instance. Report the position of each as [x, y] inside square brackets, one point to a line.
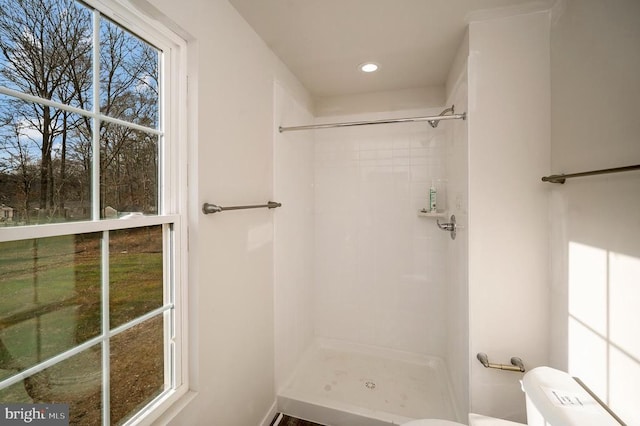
[432, 422]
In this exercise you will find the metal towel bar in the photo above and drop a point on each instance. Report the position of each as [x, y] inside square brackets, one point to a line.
[562, 178]
[208, 208]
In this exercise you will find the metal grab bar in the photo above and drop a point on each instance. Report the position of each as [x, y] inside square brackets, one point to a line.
[516, 363]
[561, 178]
[208, 208]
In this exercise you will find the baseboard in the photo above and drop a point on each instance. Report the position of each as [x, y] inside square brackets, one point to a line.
[273, 410]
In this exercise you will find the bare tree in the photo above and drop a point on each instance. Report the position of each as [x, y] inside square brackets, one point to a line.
[128, 81]
[18, 164]
[35, 40]
[46, 51]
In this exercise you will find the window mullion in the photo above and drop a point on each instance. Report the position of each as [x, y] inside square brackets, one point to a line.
[106, 362]
[95, 215]
[95, 137]
[170, 316]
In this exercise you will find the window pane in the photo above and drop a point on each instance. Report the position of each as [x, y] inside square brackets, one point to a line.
[137, 368]
[53, 169]
[76, 381]
[50, 298]
[45, 164]
[45, 49]
[135, 273]
[128, 76]
[128, 172]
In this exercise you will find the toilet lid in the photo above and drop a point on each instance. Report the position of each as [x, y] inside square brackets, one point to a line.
[432, 422]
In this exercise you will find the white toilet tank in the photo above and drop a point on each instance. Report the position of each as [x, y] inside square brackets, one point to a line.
[555, 397]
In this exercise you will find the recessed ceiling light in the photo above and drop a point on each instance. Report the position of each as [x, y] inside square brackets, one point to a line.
[368, 67]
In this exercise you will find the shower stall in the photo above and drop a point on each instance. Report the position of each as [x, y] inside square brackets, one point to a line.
[370, 295]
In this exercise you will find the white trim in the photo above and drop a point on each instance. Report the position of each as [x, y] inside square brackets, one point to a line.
[178, 125]
[106, 326]
[266, 420]
[95, 120]
[179, 120]
[17, 233]
[128, 14]
[187, 296]
[165, 408]
[168, 319]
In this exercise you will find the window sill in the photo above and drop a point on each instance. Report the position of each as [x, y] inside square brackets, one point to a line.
[164, 410]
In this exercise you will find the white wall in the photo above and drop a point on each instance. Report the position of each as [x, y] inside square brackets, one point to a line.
[594, 72]
[372, 102]
[294, 235]
[232, 75]
[508, 230]
[595, 226]
[457, 299]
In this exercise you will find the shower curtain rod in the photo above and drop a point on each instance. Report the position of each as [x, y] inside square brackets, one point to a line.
[433, 120]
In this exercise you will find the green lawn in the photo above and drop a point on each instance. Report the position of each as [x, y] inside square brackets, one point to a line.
[51, 289]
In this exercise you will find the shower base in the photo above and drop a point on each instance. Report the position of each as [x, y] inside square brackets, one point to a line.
[344, 384]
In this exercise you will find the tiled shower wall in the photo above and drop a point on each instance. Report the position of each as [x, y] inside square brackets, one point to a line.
[380, 268]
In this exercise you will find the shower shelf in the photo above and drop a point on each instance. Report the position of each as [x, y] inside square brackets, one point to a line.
[425, 213]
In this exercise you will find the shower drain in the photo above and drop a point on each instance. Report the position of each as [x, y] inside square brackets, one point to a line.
[370, 385]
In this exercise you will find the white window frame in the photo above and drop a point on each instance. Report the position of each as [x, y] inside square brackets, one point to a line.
[173, 158]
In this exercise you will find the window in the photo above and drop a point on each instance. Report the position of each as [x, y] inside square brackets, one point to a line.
[93, 224]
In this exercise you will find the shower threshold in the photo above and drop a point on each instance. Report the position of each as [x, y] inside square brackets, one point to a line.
[345, 384]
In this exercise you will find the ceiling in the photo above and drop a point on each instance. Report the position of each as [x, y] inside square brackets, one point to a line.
[323, 41]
